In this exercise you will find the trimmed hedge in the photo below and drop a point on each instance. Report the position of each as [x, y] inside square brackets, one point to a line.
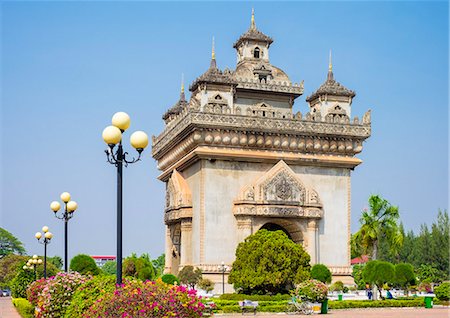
[24, 307]
[231, 306]
[238, 297]
[343, 304]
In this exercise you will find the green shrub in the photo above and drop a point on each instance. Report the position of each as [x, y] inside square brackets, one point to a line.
[9, 266]
[20, 283]
[337, 286]
[170, 279]
[443, 291]
[88, 293]
[109, 268]
[206, 284]
[24, 307]
[343, 304]
[321, 273]
[404, 275]
[261, 268]
[313, 290]
[138, 267]
[84, 264]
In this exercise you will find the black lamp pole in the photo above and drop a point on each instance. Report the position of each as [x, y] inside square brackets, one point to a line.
[223, 268]
[45, 241]
[69, 208]
[119, 160]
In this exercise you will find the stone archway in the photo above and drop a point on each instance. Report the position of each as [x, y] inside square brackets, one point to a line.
[275, 227]
[294, 229]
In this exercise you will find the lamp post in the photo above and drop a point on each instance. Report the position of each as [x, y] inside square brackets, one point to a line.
[112, 135]
[223, 268]
[69, 208]
[32, 263]
[46, 240]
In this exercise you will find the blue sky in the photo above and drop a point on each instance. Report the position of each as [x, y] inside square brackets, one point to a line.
[67, 67]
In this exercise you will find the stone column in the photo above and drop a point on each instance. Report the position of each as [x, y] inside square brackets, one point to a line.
[168, 248]
[244, 225]
[312, 240]
[186, 242]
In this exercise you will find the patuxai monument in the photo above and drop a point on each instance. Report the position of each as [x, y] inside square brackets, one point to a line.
[239, 155]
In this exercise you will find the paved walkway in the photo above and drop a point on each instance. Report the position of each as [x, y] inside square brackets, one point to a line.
[436, 312]
[7, 309]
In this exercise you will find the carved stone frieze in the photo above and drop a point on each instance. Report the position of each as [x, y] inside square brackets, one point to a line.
[178, 199]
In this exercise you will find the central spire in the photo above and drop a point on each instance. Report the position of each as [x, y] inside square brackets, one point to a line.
[213, 56]
[253, 24]
[182, 96]
[330, 76]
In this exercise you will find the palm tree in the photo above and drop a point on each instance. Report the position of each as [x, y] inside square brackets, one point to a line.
[380, 221]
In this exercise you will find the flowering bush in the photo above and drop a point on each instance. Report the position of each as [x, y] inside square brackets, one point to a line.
[312, 290]
[57, 293]
[35, 289]
[147, 299]
[424, 287]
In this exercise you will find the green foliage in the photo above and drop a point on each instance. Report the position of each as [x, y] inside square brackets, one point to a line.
[138, 267]
[357, 276]
[443, 291]
[404, 275]
[23, 306]
[110, 268]
[20, 283]
[321, 273]
[380, 221]
[337, 286]
[206, 284]
[159, 264]
[9, 267]
[84, 264]
[9, 244]
[379, 273]
[428, 273]
[190, 277]
[268, 262]
[56, 261]
[170, 279]
[88, 293]
[343, 304]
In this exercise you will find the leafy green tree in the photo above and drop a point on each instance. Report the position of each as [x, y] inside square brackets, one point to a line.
[337, 286]
[139, 267]
[268, 261]
[170, 279]
[428, 273]
[380, 221]
[357, 276]
[321, 273]
[159, 264]
[443, 291]
[379, 273]
[190, 276]
[404, 275]
[9, 244]
[9, 266]
[206, 284]
[110, 268]
[55, 260]
[84, 264]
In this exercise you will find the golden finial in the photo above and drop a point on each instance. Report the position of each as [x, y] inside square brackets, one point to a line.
[182, 83]
[213, 54]
[330, 64]
[253, 25]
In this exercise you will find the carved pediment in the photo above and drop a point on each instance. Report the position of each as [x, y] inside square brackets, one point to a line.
[279, 192]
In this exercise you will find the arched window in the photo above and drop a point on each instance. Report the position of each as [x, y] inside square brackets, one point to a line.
[256, 53]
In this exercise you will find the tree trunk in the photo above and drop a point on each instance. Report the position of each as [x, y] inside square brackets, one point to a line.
[375, 250]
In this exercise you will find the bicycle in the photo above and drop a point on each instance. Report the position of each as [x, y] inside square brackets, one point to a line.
[295, 307]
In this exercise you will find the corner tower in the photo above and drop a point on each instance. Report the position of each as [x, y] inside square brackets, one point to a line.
[236, 158]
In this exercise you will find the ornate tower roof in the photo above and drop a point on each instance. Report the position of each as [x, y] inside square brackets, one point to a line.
[253, 34]
[213, 75]
[331, 87]
[178, 107]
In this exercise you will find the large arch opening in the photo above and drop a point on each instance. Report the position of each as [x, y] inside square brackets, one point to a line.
[275, 227]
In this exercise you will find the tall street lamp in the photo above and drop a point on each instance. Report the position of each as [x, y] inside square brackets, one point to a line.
[46, 240]
[223, 268]
[112, 135]
[32, 263]
[69, 208]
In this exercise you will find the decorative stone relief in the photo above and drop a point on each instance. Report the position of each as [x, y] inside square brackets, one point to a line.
[178, 199]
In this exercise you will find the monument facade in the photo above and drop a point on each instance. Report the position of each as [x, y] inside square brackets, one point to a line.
[237, 158]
